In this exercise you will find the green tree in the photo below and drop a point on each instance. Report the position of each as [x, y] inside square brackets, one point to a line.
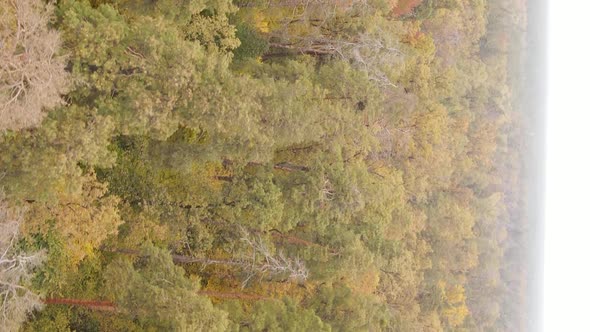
[157, 293]
[346, 311]
[274, 315]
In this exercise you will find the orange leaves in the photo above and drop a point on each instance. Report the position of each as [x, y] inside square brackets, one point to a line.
[84, 221]
[367, 282]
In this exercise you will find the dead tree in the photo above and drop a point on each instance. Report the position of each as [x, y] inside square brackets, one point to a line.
[370, 52]
[266, 264]
[260, 262]
[16, 271]
[32, 72]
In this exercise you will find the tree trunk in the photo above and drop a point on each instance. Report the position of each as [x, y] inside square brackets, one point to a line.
[233, 295]
[90, 304]
[285, 166]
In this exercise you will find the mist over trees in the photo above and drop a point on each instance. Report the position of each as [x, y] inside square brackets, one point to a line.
[198, 165]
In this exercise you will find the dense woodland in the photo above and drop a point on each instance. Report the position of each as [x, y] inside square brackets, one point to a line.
[261, 165]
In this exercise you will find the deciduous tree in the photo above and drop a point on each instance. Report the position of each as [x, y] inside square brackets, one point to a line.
[33, 77]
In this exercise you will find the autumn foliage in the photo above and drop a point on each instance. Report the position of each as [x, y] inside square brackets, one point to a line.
[192, 165]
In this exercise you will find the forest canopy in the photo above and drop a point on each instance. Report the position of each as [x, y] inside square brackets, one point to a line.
[261, 165]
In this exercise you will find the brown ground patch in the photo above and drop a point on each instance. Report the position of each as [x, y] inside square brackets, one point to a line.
[405, 7]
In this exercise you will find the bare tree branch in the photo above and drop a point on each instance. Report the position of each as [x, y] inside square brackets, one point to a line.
[266, 264]
[16, 271]
[32, 73]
